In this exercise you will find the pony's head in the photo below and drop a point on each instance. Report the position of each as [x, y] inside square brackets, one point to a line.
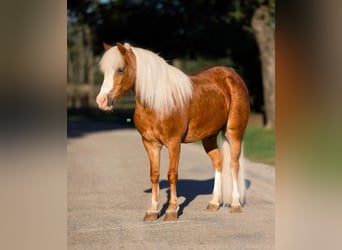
[156, 84]
[119, 68]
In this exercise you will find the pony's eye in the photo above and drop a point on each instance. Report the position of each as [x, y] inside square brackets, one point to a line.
[120, 70]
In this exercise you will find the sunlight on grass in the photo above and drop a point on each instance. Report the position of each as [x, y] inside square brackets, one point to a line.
[259, 145]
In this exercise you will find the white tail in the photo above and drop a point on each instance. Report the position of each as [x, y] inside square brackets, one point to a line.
[227, 184]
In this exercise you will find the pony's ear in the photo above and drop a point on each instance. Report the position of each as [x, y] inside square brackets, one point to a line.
[106, 46]
[121, 48]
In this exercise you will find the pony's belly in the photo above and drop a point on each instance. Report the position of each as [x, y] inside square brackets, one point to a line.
[208, 115]
[197, 135]
[204, 128]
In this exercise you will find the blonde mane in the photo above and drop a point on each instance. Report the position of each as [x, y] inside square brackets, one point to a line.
[159, 85]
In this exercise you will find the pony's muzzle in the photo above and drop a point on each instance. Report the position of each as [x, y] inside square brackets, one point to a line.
[104, 102]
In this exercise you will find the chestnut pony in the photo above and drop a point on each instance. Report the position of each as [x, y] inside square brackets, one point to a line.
[173, 108]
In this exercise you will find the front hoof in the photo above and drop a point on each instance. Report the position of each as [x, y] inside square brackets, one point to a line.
[170, 216]
[151, 216]
[236, 209]
[213, 207]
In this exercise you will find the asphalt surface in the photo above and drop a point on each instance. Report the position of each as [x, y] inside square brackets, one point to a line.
[109, 192]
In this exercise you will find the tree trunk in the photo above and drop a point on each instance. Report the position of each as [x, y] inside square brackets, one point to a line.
[264, 35]
[70, 67]
[82, 63]
[91, 66]
[81, 56]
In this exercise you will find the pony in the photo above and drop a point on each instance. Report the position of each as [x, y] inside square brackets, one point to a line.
[173, 108]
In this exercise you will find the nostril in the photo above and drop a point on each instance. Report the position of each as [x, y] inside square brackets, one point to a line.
[101, 100]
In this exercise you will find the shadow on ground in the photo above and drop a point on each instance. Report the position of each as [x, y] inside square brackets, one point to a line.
[189, 189]
[84, 121]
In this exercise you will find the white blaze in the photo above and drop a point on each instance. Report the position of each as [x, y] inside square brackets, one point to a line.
[110, 61]
[107, 84]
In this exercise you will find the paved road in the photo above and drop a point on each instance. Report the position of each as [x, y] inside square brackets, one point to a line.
[109, 192]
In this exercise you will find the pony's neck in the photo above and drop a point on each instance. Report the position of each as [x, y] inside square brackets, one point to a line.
[159, 86]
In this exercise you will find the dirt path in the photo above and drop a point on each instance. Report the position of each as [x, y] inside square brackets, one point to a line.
[109, 192]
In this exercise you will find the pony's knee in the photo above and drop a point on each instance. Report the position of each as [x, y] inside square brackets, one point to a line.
[218, 164]
[234, 165]
[154, 178]
[217, 159]
[172, 177]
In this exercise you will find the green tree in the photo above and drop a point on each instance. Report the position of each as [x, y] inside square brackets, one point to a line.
[258, 16]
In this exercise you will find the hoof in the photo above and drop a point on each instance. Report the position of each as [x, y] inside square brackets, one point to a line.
[151, 216]
[212, 207]
[236, 209]
[170, 216]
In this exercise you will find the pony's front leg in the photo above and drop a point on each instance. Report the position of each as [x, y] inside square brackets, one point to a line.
[153, 151]
[171, 213]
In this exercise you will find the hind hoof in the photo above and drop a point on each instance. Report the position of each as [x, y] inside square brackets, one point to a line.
[151, 216]
[212, 207]
[236, 209]
[171, 216]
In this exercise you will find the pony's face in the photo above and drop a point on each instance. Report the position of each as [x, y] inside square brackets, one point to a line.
[119, 68]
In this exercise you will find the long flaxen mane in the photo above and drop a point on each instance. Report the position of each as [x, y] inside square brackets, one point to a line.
[159, 86]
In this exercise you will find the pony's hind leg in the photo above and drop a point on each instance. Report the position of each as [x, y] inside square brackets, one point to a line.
[235, 141]
[210, 146]
[232, 141]
[153, 151]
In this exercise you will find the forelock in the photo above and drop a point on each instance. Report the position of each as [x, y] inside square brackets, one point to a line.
[111, 60]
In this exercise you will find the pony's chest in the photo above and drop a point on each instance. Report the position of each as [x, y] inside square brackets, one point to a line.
[153, 128]
[145, 123]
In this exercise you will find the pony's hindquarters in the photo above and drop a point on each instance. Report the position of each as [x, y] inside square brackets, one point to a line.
[227, 180]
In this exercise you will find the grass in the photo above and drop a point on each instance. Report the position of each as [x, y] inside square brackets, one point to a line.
[259, 145]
